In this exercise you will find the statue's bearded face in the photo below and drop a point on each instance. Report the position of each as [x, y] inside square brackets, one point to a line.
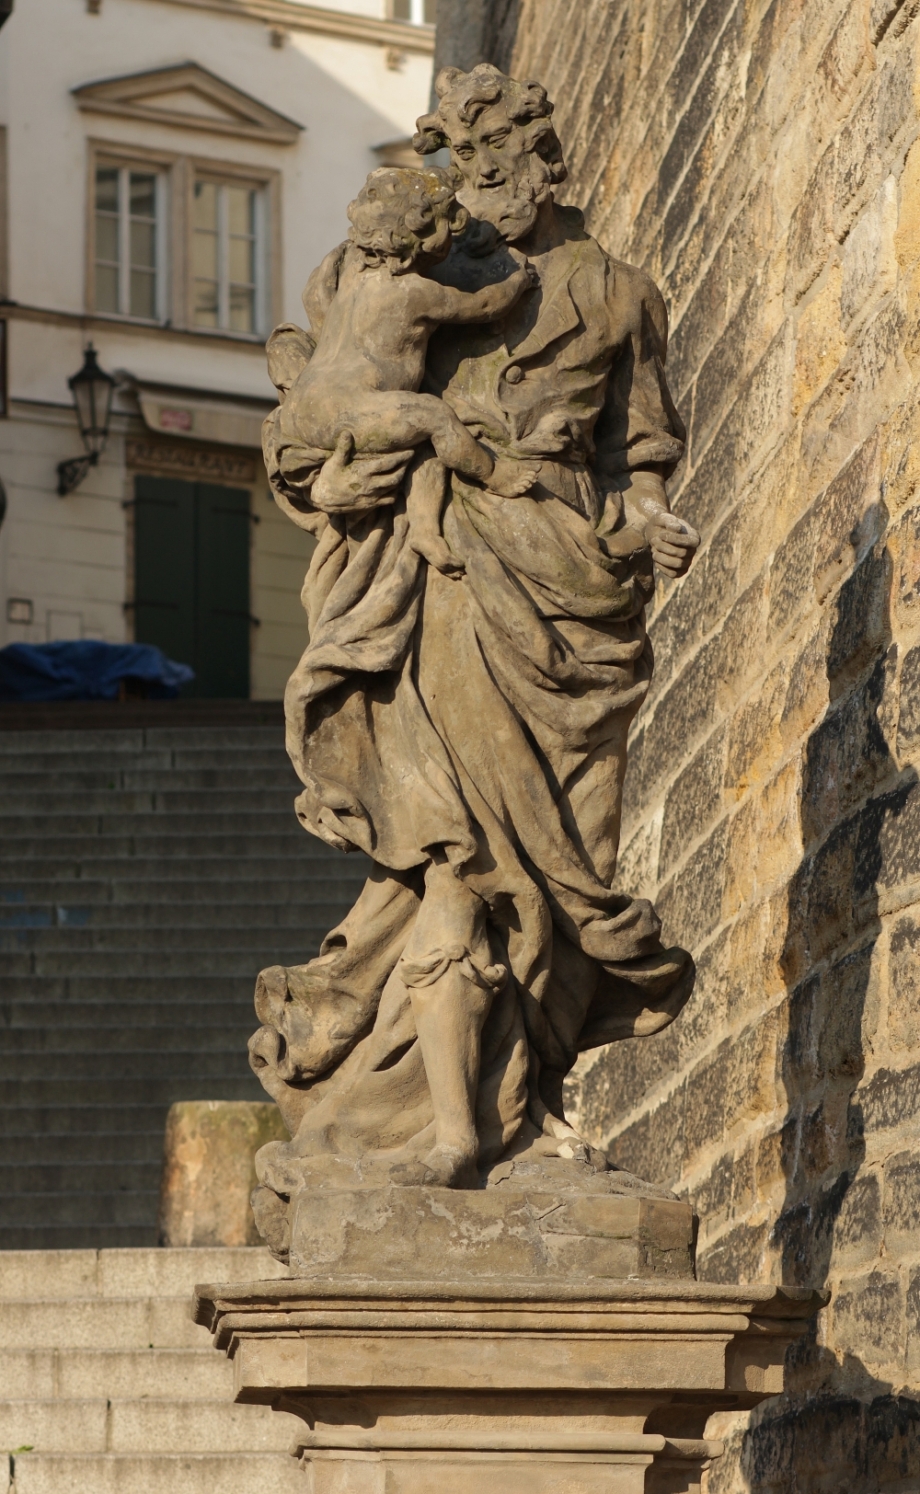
[504, 176]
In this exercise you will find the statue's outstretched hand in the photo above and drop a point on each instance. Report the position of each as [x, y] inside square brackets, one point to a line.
[353, 484]
[674, 543]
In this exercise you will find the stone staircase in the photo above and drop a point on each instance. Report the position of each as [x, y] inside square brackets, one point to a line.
[147, 873]
[109, 1388]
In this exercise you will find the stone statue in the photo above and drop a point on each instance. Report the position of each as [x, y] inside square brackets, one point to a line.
[478, 431]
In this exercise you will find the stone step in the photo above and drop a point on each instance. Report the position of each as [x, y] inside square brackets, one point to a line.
[175, 1473]
[88, 1275]
[152, 739]
[44, 1236]
[56, 1147]
[79, 1051]
[239, 847]
[138, 988]
[57, 923]
[139, 942]
[276, 777]
[268, 758]
[103, 1018]
[36, 960]
[130, 1175]
[305, 858]
[78, 1374]
[147, 823]
[99, 1323]
[152, 1426]
[26, 1118]
[139, 803]
[91, 1208]
[237, 1083]
[339, 876]
[128, 1064]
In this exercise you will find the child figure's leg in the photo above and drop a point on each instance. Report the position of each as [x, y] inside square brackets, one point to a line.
[424, 502]
[391, 420]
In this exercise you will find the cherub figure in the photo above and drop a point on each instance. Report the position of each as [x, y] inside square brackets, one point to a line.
[361, 385]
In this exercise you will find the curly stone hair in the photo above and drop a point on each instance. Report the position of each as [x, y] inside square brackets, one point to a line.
[466, 95]
[404, 214]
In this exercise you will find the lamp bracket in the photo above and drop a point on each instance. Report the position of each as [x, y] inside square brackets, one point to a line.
[71, 473]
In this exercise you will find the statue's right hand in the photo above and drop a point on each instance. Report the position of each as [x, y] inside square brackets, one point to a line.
[353, 484]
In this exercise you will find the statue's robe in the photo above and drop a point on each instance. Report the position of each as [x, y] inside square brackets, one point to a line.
[484, 718]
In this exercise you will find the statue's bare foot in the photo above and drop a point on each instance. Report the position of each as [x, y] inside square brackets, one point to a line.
[444, 1167]
[439, 554]
[511, 479]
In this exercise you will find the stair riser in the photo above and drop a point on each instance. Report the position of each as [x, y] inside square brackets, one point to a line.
[228, 963]
[206, 1473]
[39, 1094]
[71, 1374]
[79, 1028]
[55, 925]
[144, 1427]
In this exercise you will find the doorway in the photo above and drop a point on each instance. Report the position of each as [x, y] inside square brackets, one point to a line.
[191, 580]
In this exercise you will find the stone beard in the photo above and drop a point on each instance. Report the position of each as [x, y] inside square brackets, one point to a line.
[468, 731]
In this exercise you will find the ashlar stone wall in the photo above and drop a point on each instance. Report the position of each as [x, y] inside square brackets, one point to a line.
[761, 159]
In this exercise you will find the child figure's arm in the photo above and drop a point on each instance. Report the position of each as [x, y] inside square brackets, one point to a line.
[443, 303]
[673, 541]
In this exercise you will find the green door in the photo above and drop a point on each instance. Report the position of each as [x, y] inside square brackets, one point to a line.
[191, 579]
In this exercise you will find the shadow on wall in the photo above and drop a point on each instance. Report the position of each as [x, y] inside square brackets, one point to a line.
[836, 1418]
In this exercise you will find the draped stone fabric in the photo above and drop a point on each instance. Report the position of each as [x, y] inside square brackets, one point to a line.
[484, 720]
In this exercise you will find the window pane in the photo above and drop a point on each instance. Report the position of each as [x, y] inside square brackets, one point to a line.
[240, 209]
[107, 238]
[205, 303]
[204, 255]
[242, 308]
[205, 209]
[431, 11]
[241, 261]
[106, 288]
[107, 189]
[143, 245]
[143, 195]
[143, 294]
[402, 10]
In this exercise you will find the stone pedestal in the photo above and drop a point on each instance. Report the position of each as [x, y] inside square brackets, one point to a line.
[510, 1385]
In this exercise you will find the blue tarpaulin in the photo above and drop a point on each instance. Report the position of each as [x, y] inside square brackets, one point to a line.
[87, 670]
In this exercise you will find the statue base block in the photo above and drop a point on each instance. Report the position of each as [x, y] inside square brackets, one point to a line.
[495, 1232]
[523, 1386]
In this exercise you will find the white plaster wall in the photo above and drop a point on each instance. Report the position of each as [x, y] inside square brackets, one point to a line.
[69, 556]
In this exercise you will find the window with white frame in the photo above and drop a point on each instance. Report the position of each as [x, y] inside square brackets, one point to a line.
[130, 241]
[228, 254]
[417, 12]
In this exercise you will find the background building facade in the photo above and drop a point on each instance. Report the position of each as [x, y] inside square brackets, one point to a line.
[173, 172]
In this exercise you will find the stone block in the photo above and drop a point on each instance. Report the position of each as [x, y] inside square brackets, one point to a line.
[891, 1099]
[904, 986]
[501, 1231]
[867, 1315]
[858, 1231]
[693, 802]
[690, 905]
[909, 705]
[653, 1145]
[902, 1202]
[870, 266]
[733, 1085]
[847, 755]
[736, 1255]
[820, 340]
[209, 1170]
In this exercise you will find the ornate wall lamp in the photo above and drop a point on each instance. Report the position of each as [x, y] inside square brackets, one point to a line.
[92, 390]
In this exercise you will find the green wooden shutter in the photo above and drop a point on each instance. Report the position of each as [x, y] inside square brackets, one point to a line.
[223, 591]
[164, 566]
[191, 545]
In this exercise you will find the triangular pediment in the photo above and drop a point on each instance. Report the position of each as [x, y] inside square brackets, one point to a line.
[190, 97]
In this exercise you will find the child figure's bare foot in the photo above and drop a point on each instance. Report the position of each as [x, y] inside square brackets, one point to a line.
[510, 479]
[439, 554]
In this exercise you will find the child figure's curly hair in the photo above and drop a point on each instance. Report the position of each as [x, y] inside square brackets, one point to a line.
[405, 214]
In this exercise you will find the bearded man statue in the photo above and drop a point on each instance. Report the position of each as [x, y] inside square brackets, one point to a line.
[470, 735]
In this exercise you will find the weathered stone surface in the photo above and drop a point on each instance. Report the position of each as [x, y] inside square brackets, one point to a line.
[495, 1232]
[209, 1170]
[535, 1387]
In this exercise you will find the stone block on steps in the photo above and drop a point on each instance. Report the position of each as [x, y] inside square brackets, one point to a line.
[209, 1170]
